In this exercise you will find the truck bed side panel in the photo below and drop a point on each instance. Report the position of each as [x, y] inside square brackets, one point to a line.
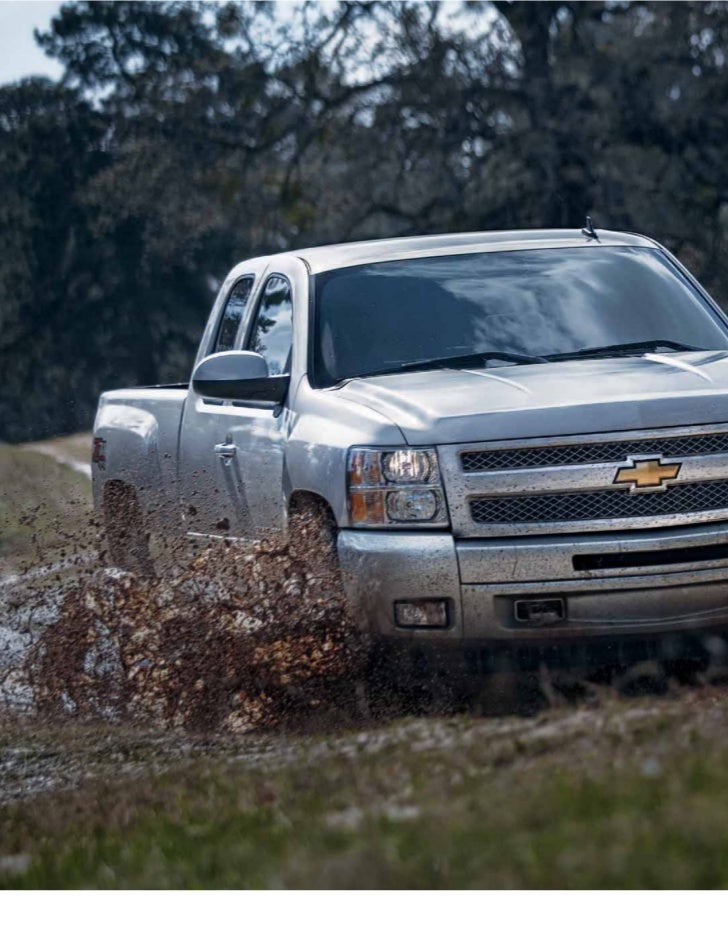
[140, 431]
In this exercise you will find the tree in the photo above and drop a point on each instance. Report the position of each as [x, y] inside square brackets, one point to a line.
[50, 147]
[184, 137]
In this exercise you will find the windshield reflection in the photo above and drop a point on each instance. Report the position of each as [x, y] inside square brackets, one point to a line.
[533, 303]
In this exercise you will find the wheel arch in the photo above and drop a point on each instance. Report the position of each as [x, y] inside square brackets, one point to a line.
[301, 501]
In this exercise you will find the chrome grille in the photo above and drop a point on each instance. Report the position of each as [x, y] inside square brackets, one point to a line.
[586, 453]
[599, 505]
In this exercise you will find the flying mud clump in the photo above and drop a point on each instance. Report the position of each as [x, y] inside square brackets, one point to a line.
[238, 639]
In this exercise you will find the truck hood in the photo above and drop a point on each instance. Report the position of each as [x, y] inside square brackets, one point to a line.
[650, 391]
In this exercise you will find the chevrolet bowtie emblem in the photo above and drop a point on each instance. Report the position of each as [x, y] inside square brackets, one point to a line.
[647, 474]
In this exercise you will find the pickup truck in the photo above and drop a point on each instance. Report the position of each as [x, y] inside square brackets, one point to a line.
[516, 437]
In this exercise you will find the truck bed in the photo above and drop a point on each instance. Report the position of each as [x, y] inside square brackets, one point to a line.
[137, 431]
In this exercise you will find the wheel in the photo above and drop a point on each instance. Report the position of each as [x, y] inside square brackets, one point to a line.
[126, 535]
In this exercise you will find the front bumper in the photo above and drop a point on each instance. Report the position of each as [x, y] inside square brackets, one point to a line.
[482, 580]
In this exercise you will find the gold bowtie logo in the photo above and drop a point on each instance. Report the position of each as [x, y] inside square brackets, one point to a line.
[648, 474]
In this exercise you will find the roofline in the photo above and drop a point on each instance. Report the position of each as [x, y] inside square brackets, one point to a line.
[344, 255]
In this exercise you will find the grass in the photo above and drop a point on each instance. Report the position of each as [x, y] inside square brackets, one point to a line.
[44, 506]
[629, 796]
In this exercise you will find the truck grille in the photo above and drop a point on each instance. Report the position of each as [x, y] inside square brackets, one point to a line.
[600, 505]
[588, 453]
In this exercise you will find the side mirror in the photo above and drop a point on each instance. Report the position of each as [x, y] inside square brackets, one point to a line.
[239, 375]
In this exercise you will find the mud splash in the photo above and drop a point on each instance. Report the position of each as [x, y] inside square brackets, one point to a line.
[240, 638]
[235, 639]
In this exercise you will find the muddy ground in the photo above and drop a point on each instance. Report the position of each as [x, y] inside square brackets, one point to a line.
[276, 771]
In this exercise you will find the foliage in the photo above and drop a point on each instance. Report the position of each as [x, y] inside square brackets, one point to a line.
[186, 136]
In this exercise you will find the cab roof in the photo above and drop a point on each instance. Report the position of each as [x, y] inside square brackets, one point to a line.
[344, 255]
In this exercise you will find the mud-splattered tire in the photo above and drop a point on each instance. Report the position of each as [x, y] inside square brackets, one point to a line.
[126, 535]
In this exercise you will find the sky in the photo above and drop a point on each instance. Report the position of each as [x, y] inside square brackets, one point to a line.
[19, 53]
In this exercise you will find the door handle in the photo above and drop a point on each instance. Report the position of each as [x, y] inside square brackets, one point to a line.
[226, 451]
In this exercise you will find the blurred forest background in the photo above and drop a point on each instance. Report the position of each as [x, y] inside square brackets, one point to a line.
[184, 137]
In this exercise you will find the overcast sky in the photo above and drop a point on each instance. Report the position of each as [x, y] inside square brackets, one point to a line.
[19, 53]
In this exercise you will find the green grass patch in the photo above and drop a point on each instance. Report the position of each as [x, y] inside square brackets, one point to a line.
[595, 811]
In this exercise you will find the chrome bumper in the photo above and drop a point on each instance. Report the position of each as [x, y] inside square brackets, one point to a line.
[482, 579]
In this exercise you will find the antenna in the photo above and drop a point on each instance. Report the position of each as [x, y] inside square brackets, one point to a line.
[589, 229]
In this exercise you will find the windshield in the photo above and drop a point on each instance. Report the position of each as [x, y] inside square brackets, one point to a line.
[532, 303]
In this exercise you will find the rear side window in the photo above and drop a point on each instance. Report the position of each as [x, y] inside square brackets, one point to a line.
[272, 332]
[227, 329]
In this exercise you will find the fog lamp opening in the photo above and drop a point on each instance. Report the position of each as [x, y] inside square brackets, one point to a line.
[421, 613]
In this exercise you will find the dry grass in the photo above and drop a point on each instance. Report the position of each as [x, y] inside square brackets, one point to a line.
[44, 509]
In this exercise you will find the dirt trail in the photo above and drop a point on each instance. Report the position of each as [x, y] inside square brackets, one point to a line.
[71, 451]
[35, 761]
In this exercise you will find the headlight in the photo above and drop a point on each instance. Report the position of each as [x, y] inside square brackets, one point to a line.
[395, 488]
[411, 505]
[406, 466]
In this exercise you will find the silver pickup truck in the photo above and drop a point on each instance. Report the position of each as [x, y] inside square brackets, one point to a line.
[518, 436]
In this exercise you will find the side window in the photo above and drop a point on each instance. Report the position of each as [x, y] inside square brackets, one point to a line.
[272, 332]
[227, 329]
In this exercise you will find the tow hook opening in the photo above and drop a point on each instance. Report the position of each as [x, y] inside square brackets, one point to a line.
[544, 611]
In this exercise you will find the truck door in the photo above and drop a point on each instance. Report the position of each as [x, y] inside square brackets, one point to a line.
[212, 500]
[231, 456]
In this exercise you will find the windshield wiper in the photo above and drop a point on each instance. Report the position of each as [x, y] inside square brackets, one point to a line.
[480, 358]
[459, 360]
[617, 350]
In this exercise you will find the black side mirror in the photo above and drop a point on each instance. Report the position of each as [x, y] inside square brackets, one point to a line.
[239, 375]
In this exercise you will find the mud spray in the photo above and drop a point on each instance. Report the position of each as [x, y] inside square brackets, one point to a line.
[233, 639]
